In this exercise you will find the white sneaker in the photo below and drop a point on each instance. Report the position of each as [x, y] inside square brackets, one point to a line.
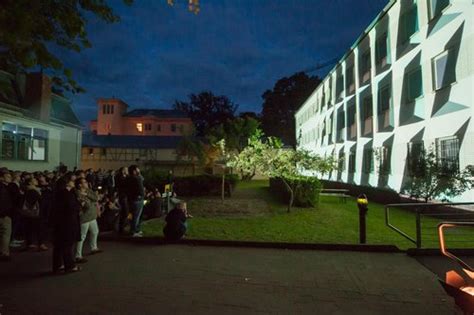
[138, 234]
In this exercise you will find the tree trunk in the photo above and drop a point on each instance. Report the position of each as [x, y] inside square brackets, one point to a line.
[290, 190]
[223, 186]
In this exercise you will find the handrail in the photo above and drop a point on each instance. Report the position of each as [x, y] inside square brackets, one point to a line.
[442, 245]
[417, 239]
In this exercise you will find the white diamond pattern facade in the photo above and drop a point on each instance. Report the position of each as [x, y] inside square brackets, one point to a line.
[405, 85]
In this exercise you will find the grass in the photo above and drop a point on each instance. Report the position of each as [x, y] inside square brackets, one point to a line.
[254, 214]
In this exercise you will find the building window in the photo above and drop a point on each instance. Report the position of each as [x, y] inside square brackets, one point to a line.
[381, 51]
[351, 122]
[173, 127]
[23, 143]
[147, 127]
[385, 160]
[340, 87]
[409, 24]
[368, 166]
[341, 162]
[104, 109]
[158, 127]
[415, 158]
[437, 7]
[365, 66]
[352, 161]
[367, 114]
[111, 109]
[91, 151]
[139, 127]
[414, 84]
[181, 128]
[103, 151]
[447, 151]
[444, 75]
[384, 102]
[350, 80]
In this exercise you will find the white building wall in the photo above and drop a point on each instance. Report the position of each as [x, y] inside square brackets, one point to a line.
[454, 25]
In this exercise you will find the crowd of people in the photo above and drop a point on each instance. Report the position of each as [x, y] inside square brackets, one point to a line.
[63, 207]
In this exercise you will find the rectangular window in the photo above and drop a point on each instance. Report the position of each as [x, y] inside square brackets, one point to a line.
[447, 151]
[111, 109]
[368, 166]
[352, 161]
[147, 127]
[444, 74]
[415, 157]
[341, 162]
[139, 127]
[414, 84]
[173, 127]
[104, 109]
[409, 23]
[385, 159]
[23, 143]
[381, 51]
[340, 87]
[158, 127]
[350, 85]
[437, 7]
[367, 107]
[365, 66]
[384, 98]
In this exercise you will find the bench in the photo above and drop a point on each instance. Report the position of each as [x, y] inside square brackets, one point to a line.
[343, 194]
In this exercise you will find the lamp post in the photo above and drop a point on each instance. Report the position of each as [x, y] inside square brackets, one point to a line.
[362, 204]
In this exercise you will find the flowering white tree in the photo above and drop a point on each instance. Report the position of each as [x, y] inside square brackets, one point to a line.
[268, 157]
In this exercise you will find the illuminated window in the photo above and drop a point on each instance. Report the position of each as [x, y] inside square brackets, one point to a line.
[140, 127]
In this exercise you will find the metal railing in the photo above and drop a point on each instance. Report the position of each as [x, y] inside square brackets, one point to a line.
[456, 215]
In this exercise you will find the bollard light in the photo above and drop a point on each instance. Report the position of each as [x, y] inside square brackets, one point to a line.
[362, 204]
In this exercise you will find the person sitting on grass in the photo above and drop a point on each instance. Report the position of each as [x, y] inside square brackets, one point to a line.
[176, 224]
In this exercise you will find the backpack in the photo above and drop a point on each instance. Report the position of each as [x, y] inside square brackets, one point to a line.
[30, 210]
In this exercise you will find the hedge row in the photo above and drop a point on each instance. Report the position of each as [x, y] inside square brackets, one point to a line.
[375, 194]
[306, 193]
[192, 186]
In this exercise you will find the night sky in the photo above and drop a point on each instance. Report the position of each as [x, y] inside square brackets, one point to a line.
[238, 48]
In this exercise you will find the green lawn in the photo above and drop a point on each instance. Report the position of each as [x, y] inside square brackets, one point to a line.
[264, 218]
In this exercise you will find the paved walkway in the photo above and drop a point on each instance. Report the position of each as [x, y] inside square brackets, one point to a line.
[180, 279]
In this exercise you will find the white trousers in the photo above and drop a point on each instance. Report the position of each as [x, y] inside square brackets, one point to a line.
[91, 227]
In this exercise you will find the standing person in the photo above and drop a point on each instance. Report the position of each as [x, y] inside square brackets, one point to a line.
[88, 218]
[17, 224]
[121, 184]
[66, 225]
[31, 215]
[91, 178]
[6, 209]
[109, 182]
[135, 196]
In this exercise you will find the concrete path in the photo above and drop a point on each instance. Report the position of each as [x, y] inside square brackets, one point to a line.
[180, 279]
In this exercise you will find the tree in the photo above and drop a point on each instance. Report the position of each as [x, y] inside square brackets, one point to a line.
[192, 149]
[30, 29]
[269, 158]
[207, 110]
[281, 103]
[433, 179]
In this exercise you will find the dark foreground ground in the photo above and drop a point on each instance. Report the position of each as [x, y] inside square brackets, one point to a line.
[181, 279]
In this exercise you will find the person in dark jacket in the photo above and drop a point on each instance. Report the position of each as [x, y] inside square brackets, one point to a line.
[17, 223]
[135, 196]
[6, 209]
[176, 224]
[121, 185]
[33, 224]
[66, 225]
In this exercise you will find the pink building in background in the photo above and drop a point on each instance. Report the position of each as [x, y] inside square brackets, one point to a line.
[113, 119]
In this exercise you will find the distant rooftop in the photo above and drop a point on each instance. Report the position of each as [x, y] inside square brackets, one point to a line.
[141, 142]
[162, 113]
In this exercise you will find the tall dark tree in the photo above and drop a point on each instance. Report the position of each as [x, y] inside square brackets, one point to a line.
[207, 110]
[281, 103]
[29, 29]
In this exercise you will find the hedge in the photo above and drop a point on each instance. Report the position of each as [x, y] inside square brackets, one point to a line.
[192, 186]
[375, 194]
[306, 193]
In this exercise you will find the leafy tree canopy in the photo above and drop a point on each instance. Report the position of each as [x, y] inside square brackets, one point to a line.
[207, 110]
[235, 132]
[281, 103]
[29, 29]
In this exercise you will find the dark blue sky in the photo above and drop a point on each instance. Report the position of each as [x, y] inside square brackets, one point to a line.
[238, 48]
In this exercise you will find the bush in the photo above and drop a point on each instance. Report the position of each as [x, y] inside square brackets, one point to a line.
[192, 186]
[306, 193]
